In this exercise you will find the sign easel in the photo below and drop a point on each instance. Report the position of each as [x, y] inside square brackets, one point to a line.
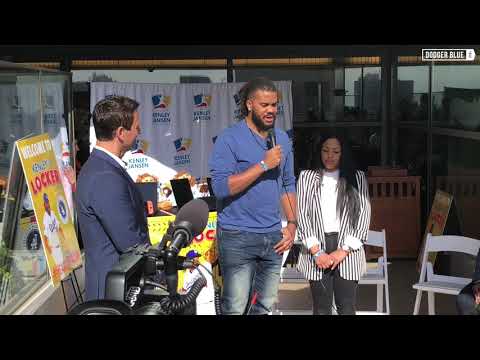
[439, 213]
[72, 277]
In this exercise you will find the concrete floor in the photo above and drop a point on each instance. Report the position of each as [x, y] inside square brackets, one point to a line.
[296, 297]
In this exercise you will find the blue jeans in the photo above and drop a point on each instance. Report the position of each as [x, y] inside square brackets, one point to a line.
[249, 265]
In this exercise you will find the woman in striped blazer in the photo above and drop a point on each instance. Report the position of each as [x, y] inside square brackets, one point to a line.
[333, 223]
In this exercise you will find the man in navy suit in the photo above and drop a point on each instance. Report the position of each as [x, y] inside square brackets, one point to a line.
[111, 213]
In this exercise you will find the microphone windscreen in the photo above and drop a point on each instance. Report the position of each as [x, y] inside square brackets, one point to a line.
[196, 213]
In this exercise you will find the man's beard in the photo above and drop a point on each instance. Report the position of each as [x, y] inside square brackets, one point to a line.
[259, 123]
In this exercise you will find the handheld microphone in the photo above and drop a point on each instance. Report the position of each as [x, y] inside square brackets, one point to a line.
[271, 138]
[271, 141]
[190, 221]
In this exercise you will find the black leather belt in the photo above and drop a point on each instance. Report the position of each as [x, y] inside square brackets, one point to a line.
[331, 233]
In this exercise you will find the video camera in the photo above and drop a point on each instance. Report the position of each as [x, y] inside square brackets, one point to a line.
[145, 279]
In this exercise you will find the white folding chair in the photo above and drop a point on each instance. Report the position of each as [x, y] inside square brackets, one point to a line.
[379, 274]
[433, 283]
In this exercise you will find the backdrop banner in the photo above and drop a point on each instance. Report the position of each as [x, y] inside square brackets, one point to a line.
[180, 122]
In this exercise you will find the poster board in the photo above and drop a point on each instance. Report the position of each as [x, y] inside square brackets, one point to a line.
[436, 222]
[180, 122]
[50, 206]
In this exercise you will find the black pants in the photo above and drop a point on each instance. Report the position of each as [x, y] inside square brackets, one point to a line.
[333, 285]
[466, 302]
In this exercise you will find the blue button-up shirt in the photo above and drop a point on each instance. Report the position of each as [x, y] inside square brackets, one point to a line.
[257, 208]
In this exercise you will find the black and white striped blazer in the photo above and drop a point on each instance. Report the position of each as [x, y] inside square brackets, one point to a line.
[310, 223]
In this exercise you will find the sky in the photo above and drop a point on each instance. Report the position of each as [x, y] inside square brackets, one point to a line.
[462, 76]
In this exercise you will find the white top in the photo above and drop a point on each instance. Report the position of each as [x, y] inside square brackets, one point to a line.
[113, 156]
[328, 201]
[328, 205]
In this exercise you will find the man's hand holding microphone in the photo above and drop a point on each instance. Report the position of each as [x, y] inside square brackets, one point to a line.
[273, 157]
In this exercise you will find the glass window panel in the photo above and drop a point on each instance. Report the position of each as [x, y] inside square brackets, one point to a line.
[312, 90]
[22, 261]
[372, 93]
[353, 94]
[20, 116]
[353, 81]
[362, 95]
[456, 96]
[412, 93]
[164, 76]
[365, 144]
[456, 170]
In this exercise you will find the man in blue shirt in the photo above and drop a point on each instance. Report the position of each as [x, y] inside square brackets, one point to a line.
[251, 181]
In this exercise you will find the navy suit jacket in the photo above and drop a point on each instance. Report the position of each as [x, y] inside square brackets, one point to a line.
[111, 215]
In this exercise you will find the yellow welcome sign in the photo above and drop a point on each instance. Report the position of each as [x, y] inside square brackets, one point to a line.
[53, 215]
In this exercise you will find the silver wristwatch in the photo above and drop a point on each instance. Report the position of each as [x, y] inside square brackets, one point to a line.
[317, 254]
[263, 165]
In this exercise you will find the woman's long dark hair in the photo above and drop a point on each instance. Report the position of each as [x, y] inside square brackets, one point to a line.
[347, 164]
[348, 196]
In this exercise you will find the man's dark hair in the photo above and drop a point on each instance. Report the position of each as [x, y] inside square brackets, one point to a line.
[347, 164]
[249, 89]
[111, 113]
